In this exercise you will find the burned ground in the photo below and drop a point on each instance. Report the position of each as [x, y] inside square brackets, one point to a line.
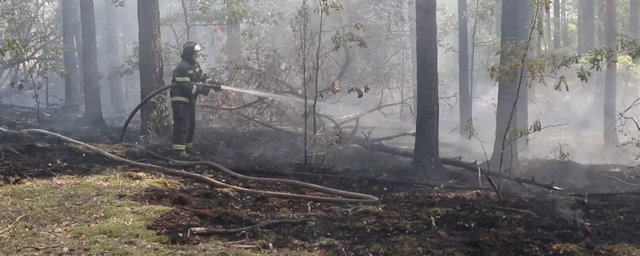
[412, 219]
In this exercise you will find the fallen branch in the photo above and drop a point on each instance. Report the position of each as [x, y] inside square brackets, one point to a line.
[513, 209]
[13, 224]
[632, 193]
[362, 142]
[356, 197]
[212, 231]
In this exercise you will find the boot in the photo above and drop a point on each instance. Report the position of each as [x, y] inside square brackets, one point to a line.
[190, 151]
[181, 155]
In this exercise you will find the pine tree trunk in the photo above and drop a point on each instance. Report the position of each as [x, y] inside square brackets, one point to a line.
[426, 144]
[92, 101]
[154, 115]
[71, 75]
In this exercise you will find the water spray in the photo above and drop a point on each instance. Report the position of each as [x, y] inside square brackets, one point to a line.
[269, 95]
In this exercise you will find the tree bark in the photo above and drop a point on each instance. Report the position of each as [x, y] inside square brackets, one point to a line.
[414, 58]
[92, 101]
[498, 17]
[505, 153]
[630, 89]
[566, 40]
[426, 144]
[524, 34]
[71, 90]
[463, 70]
[116, 89]
[154, 115]
[587, 31]
[611, 31]
[557, 42]
[78, 39]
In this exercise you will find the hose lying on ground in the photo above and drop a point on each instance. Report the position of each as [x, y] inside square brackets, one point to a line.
[236, 175]
[356, 197]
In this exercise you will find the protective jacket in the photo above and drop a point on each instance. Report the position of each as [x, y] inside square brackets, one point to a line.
[183, 101]
[186, 75]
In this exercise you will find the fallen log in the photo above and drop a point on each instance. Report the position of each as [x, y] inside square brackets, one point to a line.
[379, 147]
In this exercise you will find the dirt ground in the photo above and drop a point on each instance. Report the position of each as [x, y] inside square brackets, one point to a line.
[130, 211]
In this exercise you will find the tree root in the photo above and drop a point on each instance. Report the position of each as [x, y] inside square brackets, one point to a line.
[356, 197]
[212, 231]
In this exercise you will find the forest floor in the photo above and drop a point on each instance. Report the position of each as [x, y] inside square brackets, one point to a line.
[62, 199]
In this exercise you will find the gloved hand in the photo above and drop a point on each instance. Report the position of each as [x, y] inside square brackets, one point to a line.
[203, 90]
[216, 85]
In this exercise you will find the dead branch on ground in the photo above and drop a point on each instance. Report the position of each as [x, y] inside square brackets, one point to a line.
[212, 231]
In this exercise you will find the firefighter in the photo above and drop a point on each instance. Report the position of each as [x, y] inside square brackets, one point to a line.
[187, 75]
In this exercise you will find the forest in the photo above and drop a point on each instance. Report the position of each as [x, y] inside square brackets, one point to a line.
[328, 127]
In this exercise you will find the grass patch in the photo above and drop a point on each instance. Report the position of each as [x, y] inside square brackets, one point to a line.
[92, 216]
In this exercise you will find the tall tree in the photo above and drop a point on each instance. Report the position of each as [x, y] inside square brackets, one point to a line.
[587, 32]
[498, 17]
[611, 31]
[77, 36]
[414, 55]
[70, 61]
[92, 101]
[630, 89]
[116, 89]
[463, 69]
[155, 118]
[566, 40]
[426, 144]
[505, 148]
[557, 43]
[525, 34]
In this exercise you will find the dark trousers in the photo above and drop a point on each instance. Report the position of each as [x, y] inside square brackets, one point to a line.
[184, 125]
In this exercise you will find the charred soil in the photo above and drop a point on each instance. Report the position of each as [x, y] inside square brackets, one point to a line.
[412, 218]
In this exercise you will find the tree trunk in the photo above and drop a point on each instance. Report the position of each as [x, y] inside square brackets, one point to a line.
[524, 34]
[154, 115]
[599, 83]
[116, 89]
[498, 17]
[426, 144]
[557, 43]
[505, 153]
[548, 34]
[630, 89]
[610, 131]
[581, 27]
[566, 41]
[70, 61]
[92, 101]
[414, 58]
[587, 31]
[78, 39]
[463, 70]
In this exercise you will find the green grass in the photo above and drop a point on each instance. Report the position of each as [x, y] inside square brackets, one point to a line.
[92, 216]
